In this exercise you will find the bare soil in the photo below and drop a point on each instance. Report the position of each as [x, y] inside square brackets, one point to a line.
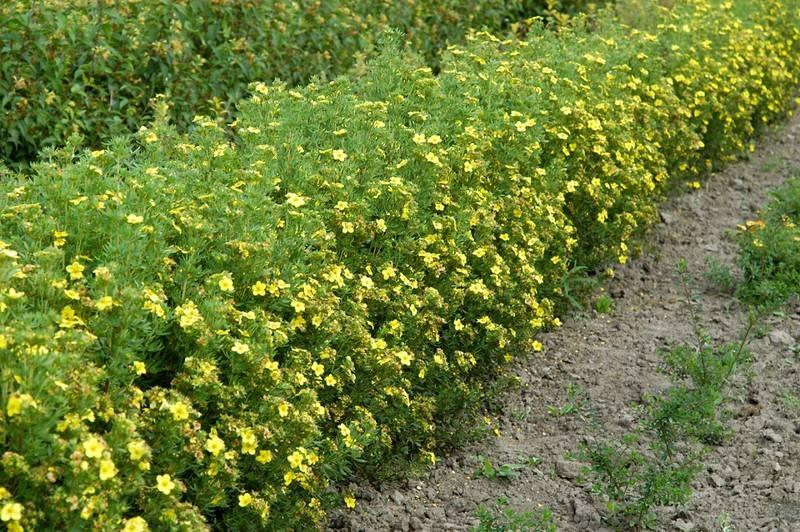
[750, 482]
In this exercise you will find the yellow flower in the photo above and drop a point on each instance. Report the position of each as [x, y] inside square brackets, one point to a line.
[245, 500]
[249, 442]
[388, 272]
[73, 295]
[135, 524]
[15, 405]
[93, 447]
[295, 200]
[330, 380]
[347, 227]
[240, 347]
[264, 457]
[107, 470]
[405, 358]
[296, 459]
[75, 270]
[134, 219]
[59, 238]
[105, 303]
[138, 449]
[188, 314]
[226, 283]
[339, 155]
[419, 138]
[350, 501]
[283, 409]
[214, 444]
[317, 368]
[68, 318]
[12, 511]
[434, 139]
[179, 411]
[164, 484]
[139, 367]
[433, 158]
[259, 289]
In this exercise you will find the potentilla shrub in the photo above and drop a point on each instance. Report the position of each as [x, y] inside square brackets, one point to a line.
[92, 66]
[206, 331]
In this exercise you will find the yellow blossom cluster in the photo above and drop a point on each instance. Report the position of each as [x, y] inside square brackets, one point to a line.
[200, 333]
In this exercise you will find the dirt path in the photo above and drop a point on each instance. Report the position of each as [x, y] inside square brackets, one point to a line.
[752, 481]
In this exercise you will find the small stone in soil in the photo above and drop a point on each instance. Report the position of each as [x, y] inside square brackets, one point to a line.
[717, 481]
[398, 497]
[771, 435]
[568, 470]
[781, 338]
[584, 512]
[683, 526]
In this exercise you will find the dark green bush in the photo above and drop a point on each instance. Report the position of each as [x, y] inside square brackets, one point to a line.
[92, 66]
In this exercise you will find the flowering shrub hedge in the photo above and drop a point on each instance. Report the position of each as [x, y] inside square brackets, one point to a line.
[199, 331]
[91, 66]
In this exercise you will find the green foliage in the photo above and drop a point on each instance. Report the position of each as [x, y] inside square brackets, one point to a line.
[502, 518]
[604, 304]
[769, 251]
[504, 472]
[577, 402]
[720, 276]
[93, 66]
[210, 330]
[656, 463]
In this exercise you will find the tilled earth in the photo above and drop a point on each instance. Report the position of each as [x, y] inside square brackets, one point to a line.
[750, 482]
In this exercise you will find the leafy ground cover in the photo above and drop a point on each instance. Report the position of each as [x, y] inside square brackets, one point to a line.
[770, 251]
[92, 68]
[205, 332]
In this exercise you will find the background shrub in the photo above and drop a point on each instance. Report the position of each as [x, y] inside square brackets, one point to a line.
[92, 66]
[205, 331]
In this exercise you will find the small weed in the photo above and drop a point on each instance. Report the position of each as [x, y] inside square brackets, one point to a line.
[533, 461]
[604, 304]
[723, 521]
[521, 414]
[720, 277]
[655, 463]
[502, 518]
[791, 402]
[769, 251]
[577, 401]
[576, 285]
[504, 472]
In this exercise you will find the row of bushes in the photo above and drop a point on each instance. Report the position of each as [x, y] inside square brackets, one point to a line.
[199, 331]
[91, 67]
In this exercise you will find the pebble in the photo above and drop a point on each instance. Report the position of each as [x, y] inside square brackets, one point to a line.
[771, 435]
[780, 338]
[584, 512]
[398, 497]
[568, 470]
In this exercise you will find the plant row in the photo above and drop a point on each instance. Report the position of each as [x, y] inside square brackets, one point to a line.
[211, 331]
